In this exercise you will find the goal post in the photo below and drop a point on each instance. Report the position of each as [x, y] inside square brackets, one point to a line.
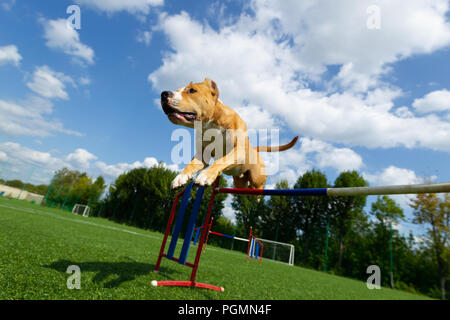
[81, 209]
[278, 251]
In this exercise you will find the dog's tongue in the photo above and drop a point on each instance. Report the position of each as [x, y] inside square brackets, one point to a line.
[180, 116]
[185, 117]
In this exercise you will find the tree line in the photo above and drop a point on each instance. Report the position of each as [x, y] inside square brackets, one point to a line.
[40, 189]
[70, 187]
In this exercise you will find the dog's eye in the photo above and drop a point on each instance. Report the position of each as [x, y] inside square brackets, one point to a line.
[192, 90]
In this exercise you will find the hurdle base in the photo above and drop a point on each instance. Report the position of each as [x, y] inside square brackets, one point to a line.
[186, 284]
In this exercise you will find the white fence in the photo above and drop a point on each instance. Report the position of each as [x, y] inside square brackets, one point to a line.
[20, 194]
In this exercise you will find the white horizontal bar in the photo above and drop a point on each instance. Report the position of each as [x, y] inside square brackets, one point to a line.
[384, 190]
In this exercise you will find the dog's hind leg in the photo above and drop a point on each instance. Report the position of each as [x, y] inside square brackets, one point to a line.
[241, 182]
[257, 176]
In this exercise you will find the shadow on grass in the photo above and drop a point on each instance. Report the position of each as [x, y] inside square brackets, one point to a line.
[123, 271]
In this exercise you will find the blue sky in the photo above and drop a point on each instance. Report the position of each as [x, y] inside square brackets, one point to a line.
[372, 99]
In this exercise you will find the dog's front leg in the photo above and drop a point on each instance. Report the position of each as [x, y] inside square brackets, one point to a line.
[209, 175]
[192, 168]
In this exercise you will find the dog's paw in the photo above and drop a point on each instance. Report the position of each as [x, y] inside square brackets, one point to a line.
[180, 180]
[203, 179]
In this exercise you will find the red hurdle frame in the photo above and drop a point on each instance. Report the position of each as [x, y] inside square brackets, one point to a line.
[194, 266]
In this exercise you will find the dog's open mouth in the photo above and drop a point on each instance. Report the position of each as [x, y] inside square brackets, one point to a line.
[178, 116]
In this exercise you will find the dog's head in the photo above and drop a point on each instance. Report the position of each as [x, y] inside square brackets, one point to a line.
[194, 102]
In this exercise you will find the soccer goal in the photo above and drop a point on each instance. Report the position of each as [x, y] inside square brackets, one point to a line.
[278, 251]
[81, 209]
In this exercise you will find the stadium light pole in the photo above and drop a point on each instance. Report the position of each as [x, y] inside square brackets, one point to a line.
[67, 196]
[326, 246]
[276, 237]
[391, 258]
[44, 202]
[234, 235]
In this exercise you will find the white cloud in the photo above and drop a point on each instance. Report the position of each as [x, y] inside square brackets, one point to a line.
[20, 161]
[9, 55]
[115, 170]
[23, 157]
[433, 102]
[404, 112]
[131, 6]
[50, 84]
[144, 37]
[81, 159]
[3, 157]
[8, 4]
[31, 165]
[61, 37]
[336, 33]
[255, 117]
[393, 175]
[328, 156]
[310, 154]
[228, 210]
[28, 117]
[266, 59]
[85, 81]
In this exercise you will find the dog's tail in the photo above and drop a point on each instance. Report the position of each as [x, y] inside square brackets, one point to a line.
[280, 148]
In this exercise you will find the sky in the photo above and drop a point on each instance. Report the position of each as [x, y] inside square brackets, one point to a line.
[364, 84]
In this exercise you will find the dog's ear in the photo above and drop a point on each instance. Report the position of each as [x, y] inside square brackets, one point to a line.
[213, 86]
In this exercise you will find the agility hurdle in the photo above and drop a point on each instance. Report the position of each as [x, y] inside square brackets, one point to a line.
[253, 248]
[197, 233]
[228, 236]
[331, 192]
[186, 193]
[208, 226]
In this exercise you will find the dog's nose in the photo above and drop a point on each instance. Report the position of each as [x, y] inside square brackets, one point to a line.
[165, 95]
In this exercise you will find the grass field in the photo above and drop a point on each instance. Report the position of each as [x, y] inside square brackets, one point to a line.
[116, 261]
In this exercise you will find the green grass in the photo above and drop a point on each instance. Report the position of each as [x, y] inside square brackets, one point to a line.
[116, 261]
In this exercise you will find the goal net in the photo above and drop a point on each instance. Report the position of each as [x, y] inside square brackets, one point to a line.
[278, 251]
[81, 209]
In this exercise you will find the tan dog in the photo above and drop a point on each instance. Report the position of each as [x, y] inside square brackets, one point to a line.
[198, 106]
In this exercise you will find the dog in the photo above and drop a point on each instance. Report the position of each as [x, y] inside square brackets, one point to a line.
[197, 106]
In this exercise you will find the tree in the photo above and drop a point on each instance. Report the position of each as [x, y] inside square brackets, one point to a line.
[387, 211]
[249, 210]
[345, 209]
[279, 220]
[434, 213]
[70, 187]
[15, 184]
[222, 225]
[311, 214]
